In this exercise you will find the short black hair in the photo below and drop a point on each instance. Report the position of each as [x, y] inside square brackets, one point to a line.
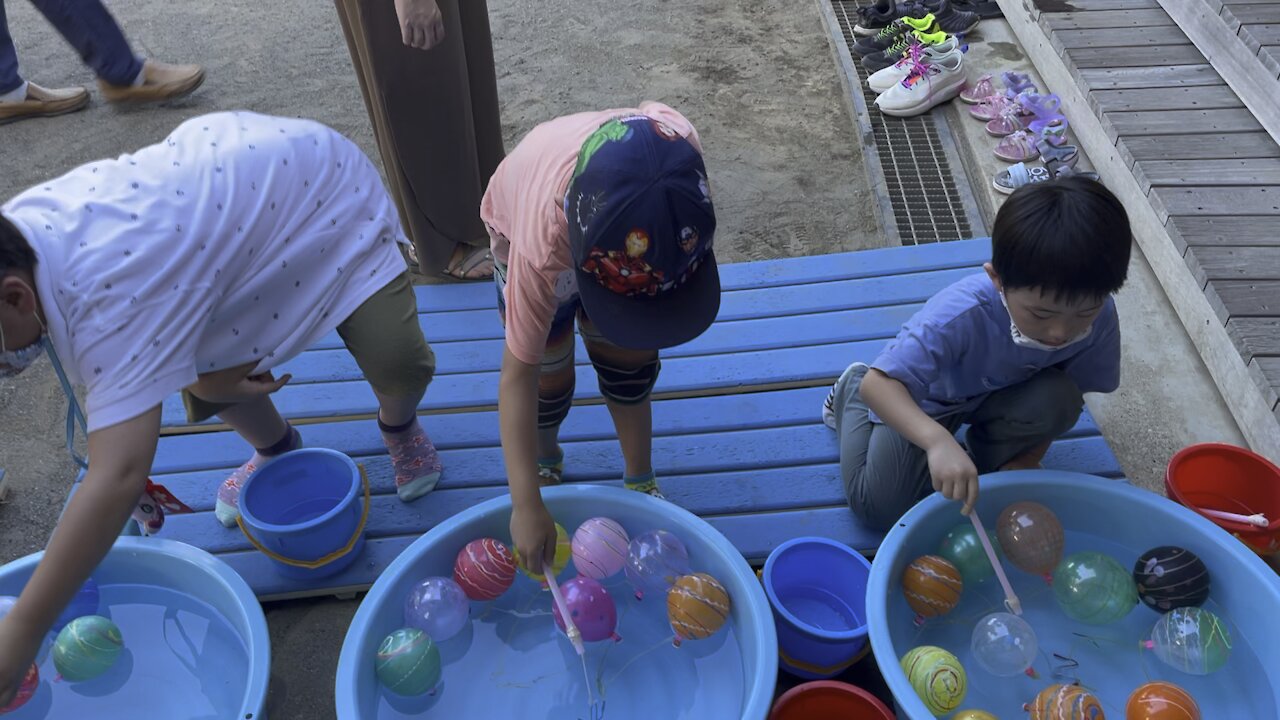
[1068, 236]
[15, 251]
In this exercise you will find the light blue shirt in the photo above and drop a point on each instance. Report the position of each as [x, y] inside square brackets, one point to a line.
[958, 349]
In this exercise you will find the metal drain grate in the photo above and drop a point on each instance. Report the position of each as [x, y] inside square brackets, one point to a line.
[928, 197]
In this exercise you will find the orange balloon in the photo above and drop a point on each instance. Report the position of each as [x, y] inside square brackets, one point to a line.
[1161, 701]
[1032, 537]
[1066, 702]
[932, 586]
[697, 606]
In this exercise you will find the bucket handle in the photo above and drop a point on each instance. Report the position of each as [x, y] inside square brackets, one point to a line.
[320, 562]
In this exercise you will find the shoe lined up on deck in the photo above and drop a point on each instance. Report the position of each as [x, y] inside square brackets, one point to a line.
[874, 18]
[928, 85]
[878, 61]
[891, 33]
[950, 18]
[883, 79]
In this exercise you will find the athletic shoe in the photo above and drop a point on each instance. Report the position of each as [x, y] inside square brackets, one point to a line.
[931, 85]
[829, 405]
[891, 34]
[873, 18]
[952, 19]
[897, 72]
[876, 62]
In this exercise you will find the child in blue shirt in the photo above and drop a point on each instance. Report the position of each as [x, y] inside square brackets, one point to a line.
[1009, 352]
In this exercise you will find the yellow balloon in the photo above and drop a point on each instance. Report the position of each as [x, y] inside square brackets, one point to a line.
[564, 552]
[974, 715]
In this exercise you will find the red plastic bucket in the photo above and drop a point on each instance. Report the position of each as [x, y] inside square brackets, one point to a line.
[1225, 477]
[829, 700]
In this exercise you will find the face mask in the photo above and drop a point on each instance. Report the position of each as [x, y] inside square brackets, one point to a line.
[13, 362]
[1031, 343]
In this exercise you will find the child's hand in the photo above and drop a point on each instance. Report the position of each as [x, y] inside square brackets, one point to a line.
[235, 385]
[421, 25]
[534, 533]
[17, 651]
[953, 472]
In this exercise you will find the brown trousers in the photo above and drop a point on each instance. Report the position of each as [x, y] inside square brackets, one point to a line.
[435, 117]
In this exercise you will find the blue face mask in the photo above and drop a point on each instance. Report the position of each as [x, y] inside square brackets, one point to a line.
[13, 362]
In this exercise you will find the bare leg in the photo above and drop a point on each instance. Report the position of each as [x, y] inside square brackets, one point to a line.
[257, 421]
[635, 434]
[397, 411]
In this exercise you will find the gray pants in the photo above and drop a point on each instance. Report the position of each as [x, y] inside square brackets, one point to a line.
[884, 474]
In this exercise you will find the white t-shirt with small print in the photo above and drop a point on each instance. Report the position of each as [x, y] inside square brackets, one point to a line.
[241, 238]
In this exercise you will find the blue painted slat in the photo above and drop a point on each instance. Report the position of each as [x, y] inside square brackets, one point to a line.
[802, 365]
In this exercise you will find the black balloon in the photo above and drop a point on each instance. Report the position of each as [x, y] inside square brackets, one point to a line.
[1170, 577]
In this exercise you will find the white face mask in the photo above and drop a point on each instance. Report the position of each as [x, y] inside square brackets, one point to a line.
[1022, 340]
[15, 361]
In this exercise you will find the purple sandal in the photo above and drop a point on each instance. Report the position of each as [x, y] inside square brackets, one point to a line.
[1045, 110]
[1016, 83]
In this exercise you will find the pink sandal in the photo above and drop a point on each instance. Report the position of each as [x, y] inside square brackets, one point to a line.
[991, 107]
[1021, 146]
[1013, 119]
[979, 90]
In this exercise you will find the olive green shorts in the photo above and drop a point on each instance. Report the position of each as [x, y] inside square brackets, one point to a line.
[384, 337]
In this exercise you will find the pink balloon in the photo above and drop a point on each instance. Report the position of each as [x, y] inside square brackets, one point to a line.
[600, 548]
[591, 608]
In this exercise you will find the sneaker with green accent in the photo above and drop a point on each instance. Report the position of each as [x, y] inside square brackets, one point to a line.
[878, 61]
[891, 34]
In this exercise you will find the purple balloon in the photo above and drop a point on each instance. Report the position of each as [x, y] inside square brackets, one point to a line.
[438, 607]
[655, 560]
[591, 608]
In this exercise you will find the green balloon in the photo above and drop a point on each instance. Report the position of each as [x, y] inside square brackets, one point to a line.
[1092, 588]
[86, 648]
[962, 548]
[408, 662]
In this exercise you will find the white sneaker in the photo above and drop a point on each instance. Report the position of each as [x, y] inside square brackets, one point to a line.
[919, 92]
[882, 80]
[829, 405]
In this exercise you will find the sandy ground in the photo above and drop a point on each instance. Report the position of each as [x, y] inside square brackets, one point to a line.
[755, 76]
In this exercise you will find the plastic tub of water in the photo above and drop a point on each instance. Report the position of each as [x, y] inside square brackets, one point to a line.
[512, 662]
[817, 589]
[1099, 515]
[829, 700]
[1225, 477]
[306, 511]
[195, 640]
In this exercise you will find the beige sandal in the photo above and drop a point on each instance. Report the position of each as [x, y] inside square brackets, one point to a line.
[475, 264]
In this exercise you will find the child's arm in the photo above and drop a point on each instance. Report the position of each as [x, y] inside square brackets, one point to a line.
[953, 472]
[532, 530]
[122, 455]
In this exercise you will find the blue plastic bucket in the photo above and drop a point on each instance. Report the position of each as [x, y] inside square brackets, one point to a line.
[195, 639]
[303, 511]
[818, 591]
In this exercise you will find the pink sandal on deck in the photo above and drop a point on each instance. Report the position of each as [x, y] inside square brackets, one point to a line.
[1021, 146]
[975, 93]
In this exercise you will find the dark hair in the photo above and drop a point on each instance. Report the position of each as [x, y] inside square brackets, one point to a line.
[15, 251]
[1069, 237]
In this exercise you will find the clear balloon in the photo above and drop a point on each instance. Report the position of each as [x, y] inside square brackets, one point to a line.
[591, 607]
[438, 607]
[86, 648]
[1031, 537]
[6, 604]
[408, 663]
[937, 677]
[1093, 588]
[655, 560]
[1004, 644]
[1161, 701]
[962, 548]
[1192, 640]
[600, 548]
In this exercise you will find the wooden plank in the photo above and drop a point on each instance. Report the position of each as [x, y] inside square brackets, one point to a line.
[1270, 367]
[1066, 6]
[1106, 19]
[1251, 171]
[1173, 76]
[1258, 200]
[1136, 56]
[1270, 57]
[1121, 37]
[1228, 230]
[1181, 122]
[1249, 14]
[1181, 98]
[1249, 298]
[4, 487]
[1263, 34]
[1255, 336]
[1224, 262]
[1197, 147]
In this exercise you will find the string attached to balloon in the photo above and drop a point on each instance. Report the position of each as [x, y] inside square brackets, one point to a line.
[1010, 598]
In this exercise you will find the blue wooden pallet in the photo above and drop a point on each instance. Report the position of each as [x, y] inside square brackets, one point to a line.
[737, 438]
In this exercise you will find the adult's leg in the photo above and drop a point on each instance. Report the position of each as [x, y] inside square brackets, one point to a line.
[10, 80]
[385, 338]
[20, 100]
[884, 474]
[1015, 426]
[94, 33]
[421, 108]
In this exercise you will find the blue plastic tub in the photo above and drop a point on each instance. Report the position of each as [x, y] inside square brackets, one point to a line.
[304, 506]
[1100, 515]
[196, 642]
[818, 591]
[511, 662]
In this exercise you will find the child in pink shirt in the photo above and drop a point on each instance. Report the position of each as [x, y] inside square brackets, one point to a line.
[606, 218]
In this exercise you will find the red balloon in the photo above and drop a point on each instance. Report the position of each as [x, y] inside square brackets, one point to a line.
[25, 690]
[485, 569]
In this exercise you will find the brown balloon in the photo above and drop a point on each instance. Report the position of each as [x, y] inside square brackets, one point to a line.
[932, 586]
[1031, 537]
[1161, 701]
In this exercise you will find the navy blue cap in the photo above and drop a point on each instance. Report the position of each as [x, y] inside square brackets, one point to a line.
[641, 226]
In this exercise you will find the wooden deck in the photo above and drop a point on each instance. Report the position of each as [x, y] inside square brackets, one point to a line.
[1180, 116]
[738, 437]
